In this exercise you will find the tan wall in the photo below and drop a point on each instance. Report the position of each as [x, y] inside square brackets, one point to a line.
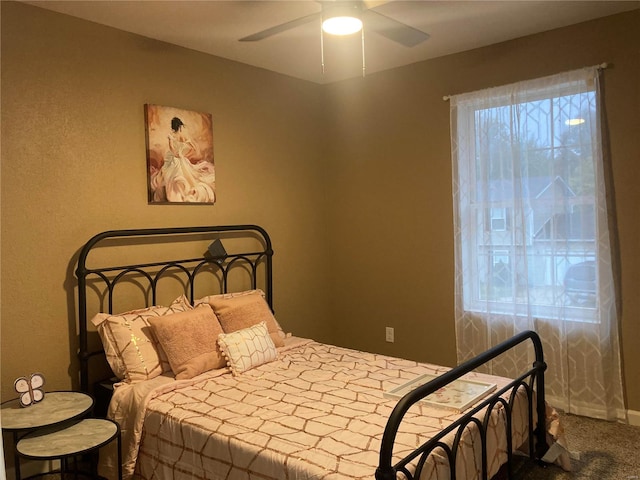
[373, 201]
[391, 207]
[73, 164]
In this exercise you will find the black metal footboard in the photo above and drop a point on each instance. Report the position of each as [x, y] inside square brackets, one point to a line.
[531, 380]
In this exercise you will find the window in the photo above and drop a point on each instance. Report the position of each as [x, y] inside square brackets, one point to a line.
[532, 248]
[498, 219]
[526, 208]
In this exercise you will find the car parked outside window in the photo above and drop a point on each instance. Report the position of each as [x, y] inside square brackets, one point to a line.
[580, 283]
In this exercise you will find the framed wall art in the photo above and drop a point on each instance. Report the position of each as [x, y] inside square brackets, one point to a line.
[180, 167]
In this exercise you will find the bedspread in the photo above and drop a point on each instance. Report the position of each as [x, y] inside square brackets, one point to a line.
[317, 412]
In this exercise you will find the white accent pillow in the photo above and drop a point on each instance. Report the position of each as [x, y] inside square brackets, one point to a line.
[247, 348]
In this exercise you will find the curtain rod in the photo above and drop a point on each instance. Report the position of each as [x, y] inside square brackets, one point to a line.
[602, 66]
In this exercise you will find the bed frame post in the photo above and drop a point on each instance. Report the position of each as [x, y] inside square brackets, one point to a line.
[83, 354]
[541, 405]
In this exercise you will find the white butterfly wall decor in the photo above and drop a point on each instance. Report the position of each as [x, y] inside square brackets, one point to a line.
[30, 389]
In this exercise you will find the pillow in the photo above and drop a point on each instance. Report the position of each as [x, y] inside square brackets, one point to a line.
[131, 348]
[247, 348]
[244, 309]
[189, 340]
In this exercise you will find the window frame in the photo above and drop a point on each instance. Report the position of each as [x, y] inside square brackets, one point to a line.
[472, 291]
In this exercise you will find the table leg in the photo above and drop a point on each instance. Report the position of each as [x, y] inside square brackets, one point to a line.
[16, 457]
[119, 456]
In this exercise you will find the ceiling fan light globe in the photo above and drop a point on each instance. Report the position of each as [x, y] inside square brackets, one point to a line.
[343, 25]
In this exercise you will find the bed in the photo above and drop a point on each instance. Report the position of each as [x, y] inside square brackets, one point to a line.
[245, 400]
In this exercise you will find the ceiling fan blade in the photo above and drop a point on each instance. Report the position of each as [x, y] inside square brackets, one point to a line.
[394, 30]
[369, 4]
[281, 28]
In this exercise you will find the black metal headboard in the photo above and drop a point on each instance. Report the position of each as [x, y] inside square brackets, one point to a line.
[211, 266]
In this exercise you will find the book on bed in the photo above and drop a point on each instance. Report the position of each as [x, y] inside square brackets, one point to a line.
[457, 396]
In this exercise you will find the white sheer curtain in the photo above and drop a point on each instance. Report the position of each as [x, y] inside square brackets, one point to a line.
[532, 243]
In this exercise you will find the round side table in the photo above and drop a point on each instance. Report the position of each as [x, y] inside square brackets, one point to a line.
[70, 439]
[55, 408]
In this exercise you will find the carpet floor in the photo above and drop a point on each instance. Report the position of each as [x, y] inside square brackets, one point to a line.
[600, 450]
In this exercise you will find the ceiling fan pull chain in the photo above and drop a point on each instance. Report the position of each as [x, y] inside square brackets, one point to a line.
[321, 46]
[363, 65]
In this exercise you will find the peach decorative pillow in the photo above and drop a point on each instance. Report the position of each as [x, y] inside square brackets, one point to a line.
[247, 348]
[131, 349]
[244, 309]
[189, 340]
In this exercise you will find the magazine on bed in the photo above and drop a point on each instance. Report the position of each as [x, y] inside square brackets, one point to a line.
[457, 396]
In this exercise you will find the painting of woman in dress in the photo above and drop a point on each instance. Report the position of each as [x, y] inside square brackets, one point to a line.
[179, 156]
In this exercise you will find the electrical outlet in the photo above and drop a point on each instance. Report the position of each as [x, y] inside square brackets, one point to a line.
[389, 334]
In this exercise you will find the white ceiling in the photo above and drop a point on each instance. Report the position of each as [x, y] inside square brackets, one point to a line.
[215, 27]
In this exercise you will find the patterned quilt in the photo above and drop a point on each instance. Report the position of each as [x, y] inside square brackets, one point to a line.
[317, 412]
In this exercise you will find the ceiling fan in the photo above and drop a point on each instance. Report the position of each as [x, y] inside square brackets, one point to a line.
[373, 21]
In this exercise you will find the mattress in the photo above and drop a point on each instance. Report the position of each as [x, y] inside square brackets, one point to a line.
[317, 412]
